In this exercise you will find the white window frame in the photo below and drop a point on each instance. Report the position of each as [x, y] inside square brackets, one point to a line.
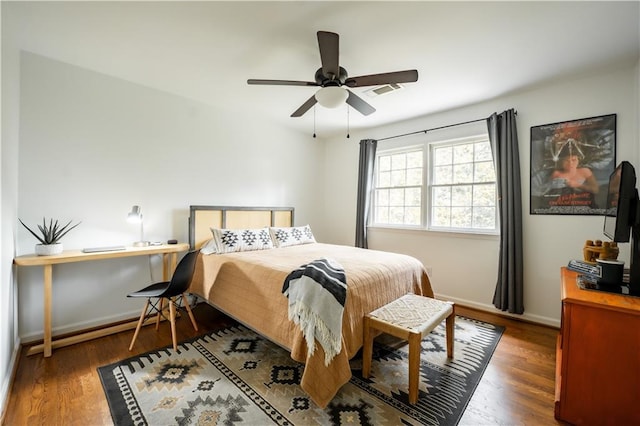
[394, 151]
[426, 188]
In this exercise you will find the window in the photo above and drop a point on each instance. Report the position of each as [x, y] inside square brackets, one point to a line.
[463, 186]
[445, 185]
[398, 192]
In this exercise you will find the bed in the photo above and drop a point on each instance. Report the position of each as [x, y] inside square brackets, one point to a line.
[247, 285]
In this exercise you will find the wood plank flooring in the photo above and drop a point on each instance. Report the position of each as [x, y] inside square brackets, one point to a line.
[517, 388]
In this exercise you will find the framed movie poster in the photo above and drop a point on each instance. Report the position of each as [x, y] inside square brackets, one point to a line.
[570, 165]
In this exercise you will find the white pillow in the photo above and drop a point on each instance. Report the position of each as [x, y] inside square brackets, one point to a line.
[232, 240]
[209, 247]
[296, 235]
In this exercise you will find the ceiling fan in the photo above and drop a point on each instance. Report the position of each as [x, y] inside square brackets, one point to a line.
[331, 77]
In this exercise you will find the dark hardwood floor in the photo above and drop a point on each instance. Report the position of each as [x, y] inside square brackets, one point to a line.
[517, 388]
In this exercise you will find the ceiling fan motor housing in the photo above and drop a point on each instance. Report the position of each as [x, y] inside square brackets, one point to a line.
[331, 80]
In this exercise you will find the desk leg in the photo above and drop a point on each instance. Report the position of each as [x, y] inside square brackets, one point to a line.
[170, 260]
[48, 278]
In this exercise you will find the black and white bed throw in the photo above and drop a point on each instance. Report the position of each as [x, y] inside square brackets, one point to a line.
[317, 292]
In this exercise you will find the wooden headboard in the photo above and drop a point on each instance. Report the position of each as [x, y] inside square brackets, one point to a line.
[203, 218]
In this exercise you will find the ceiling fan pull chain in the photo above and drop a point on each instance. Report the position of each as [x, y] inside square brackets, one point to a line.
[314, 121]
[347, 122]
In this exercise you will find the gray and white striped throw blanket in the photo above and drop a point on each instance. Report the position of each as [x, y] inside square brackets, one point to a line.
[317, 292]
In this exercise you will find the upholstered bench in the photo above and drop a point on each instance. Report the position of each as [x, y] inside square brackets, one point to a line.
[410, 317]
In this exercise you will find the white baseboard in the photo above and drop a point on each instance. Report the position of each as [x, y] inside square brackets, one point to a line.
[538, 319]
[8, 380]
[82, 325]
[88, 324]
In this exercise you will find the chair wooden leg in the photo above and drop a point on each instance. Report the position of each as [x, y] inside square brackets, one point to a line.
[451, 322]
[142, 317]
[186, 305]
[161, 302]
[172, 317]
[367, 348]
[414, 366]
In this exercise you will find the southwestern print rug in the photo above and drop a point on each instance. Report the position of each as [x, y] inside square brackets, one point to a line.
[235, 376]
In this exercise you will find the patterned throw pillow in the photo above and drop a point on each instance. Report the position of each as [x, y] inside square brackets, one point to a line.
[209, 247]
[232, 240]
[284, 237]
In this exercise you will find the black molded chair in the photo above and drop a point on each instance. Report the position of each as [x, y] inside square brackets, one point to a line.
[174, 291]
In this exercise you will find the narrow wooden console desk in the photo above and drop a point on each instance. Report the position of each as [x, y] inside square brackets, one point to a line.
[597, 356]
[170, 255]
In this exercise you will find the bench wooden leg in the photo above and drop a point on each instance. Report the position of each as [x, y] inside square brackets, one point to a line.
[451, 322]
[367, 348]
[414, 366]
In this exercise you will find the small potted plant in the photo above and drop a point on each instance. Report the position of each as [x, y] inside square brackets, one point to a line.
[50, 235]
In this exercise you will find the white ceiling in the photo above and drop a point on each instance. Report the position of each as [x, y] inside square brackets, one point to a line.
[465, 52]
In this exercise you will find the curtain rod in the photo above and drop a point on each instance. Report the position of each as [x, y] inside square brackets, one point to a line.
[435, 128]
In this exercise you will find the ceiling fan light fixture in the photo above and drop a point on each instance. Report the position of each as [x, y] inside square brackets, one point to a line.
[332, 96]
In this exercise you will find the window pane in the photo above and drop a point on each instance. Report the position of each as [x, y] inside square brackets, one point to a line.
[412, 197]
[463, 153]
[398, 178]
[441, 196]
[463, 173]
[461, 196]
[396, 197]
[384, 179]
[485, 172]
[443, 155]
[442, 175]
[384, 163]
[396, 215]
[414, 177]
[414, 159]
[441, 216]
[484, 195]
[382, 197]
[461, 217]
[484, 217]
[483, 151]
[399, 161]
[412, 216]
[382, 215]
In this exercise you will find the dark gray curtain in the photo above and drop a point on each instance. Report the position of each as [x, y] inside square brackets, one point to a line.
[365, 184]
[504, 143]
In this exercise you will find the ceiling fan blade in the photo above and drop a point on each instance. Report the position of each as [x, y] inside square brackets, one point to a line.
[282, 82]
[305, 107]
[408, 76]
[359, 104]
[329, 53]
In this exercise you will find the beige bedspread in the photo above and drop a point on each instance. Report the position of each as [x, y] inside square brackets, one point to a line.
[248, 286]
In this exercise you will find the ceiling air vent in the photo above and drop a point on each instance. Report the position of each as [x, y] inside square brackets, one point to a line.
[383, 90]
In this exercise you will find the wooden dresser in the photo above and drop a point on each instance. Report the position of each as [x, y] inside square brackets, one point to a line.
[597, 357]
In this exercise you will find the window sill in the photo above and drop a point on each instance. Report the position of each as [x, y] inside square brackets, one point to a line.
[451, 233]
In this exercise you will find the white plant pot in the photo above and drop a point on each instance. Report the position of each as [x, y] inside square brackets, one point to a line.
[48, 249]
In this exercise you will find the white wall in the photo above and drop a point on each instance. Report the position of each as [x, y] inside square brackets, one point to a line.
[9, 341]
[464, 268]
[91, 146]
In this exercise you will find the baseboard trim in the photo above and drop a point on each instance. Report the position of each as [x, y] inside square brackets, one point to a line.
[81, 327]
[5, 390]
[534, 319]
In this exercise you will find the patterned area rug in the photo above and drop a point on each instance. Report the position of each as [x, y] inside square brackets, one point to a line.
[235, 376]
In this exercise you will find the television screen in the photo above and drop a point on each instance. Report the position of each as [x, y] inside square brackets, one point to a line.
[619, 215]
